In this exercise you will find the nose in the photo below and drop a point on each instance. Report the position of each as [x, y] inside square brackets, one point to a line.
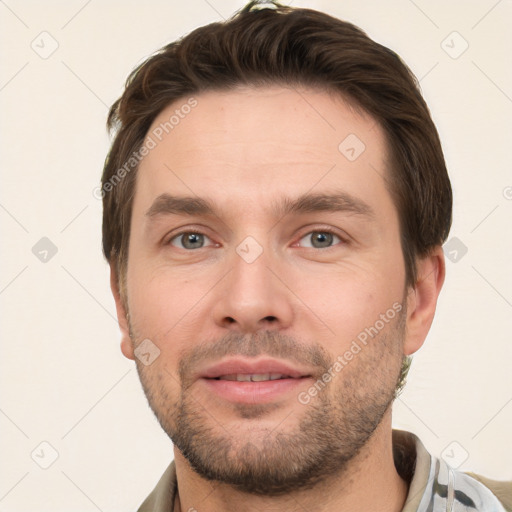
[253, 296]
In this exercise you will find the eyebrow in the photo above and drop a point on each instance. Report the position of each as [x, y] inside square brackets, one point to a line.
[166, 204]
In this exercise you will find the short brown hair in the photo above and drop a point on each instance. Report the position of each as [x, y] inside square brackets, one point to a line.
[266, 45]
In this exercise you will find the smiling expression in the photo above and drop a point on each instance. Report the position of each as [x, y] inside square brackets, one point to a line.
[260, 248]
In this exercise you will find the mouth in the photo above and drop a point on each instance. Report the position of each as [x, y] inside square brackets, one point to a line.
[252, 381]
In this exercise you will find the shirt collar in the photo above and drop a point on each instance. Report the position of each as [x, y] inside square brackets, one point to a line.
[433, 485]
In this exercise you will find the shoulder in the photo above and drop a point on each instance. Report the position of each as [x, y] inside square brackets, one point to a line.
[501, 489]
[161, 498]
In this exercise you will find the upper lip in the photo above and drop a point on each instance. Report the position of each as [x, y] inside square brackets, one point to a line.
[251, 366]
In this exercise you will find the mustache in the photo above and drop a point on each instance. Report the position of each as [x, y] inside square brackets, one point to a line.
[268, 343]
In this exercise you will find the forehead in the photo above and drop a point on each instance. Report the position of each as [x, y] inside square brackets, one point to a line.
[250, 144]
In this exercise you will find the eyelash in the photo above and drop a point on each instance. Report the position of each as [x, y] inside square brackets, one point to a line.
[344, 240]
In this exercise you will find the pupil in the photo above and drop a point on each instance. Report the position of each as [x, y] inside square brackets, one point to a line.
[324, 239]
[191, 239]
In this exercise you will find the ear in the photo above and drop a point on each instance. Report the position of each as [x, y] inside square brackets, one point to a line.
[422, 299]
[126, 342]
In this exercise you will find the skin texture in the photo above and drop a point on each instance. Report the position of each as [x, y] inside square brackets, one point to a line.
[299, 302]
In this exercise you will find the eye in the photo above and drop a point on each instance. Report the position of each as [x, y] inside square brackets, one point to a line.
[320, 239]
[188, 240]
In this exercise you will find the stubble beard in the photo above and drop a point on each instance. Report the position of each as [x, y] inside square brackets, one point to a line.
[271, 461]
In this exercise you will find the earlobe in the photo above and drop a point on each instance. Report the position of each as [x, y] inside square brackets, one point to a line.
[122, 315]
[422, 299]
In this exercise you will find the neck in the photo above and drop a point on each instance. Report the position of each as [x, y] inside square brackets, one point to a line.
[370, 482]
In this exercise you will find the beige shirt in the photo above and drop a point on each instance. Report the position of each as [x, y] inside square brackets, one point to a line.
[433, 486]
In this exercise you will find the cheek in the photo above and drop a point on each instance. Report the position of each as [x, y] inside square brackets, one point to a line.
[165, 307]
[154, 304]
[346, 301]
[147, 307]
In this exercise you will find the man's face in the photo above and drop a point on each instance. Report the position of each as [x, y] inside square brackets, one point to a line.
[252, 304]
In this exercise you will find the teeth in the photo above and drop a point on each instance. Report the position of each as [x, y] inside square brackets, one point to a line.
[255, 377]
[260, 377]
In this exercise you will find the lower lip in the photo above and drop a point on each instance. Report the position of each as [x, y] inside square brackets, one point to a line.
[254, 392]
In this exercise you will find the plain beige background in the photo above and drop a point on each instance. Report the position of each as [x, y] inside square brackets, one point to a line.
[63, 379]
